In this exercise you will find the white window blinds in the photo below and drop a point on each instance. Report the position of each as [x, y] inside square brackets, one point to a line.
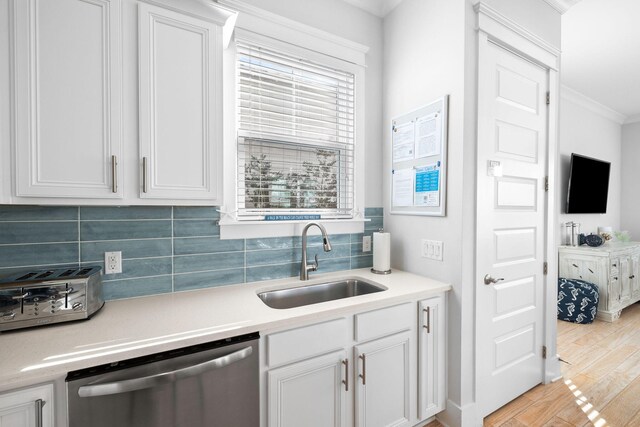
[295, 136]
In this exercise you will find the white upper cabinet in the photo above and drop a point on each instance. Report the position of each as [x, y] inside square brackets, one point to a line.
[67, 98]
[180, 105]
[114, 102]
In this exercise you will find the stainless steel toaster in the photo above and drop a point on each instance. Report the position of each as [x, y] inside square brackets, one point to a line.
[42, 297]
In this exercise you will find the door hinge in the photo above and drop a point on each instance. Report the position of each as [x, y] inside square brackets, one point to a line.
[548, 98]
[546, 183]
[544, 351]
[545, 268]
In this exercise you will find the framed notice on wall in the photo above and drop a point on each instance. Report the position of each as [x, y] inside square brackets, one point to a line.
[419, 160]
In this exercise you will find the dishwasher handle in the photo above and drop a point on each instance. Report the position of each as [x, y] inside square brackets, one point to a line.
[125, 386]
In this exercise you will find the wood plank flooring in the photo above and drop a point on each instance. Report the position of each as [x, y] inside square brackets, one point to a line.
[600, 385]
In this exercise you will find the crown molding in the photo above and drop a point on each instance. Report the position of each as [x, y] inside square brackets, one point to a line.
[590, 104]
[561, 5]
[250, 17]
[632, 119]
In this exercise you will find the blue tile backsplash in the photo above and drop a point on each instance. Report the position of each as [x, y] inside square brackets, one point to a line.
[164, 249]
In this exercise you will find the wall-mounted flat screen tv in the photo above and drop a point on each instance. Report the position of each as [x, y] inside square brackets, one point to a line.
[588, 185]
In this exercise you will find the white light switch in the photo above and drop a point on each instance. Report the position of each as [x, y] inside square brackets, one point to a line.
[432, 249]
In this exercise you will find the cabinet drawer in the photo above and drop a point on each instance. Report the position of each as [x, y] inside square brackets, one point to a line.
[302, 343]
[385, 321]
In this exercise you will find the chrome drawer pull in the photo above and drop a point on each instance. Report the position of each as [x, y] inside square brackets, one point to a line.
[114, 173]
[125, 386]
[145, 186]
[428, 325]
[39, 404]
[345, 362]
[364, 369]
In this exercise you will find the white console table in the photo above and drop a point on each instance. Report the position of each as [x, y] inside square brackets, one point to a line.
[614, 267]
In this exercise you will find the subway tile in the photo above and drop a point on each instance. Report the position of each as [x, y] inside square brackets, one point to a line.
[38, 213]
[118, 289]
[362, 261]
[194, 212]
[356, 249]
[38, 254]
[205, 245]
[375, 224]
[124, 212]
[193, 263]
[139, 268]
[144, 248]
[335, 265]
[273, 243]
[369, 212]
[38, 232]
[207, 279]
[337, 251]
[121, 230]
[334, 239]
[195, 228]
[269, 272]
[273, 256]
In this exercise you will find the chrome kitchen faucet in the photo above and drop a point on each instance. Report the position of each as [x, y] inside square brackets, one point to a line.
[304, 267]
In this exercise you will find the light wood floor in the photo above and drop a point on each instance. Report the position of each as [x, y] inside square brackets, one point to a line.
[600, 387]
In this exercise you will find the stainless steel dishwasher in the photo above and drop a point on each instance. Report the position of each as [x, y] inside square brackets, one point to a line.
[209, 385]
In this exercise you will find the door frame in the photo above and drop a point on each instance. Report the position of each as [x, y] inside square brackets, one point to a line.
[495, 28]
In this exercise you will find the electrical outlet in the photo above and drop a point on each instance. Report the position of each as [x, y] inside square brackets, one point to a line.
[366, 243]
[432, 249]
[112, 262]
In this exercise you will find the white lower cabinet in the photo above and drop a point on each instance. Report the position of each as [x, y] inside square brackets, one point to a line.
[431, 357]
[383, 394]
[312, 393]
[32, 407]
[367, 369]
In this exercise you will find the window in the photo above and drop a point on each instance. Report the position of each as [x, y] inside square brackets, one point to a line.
[296, 136]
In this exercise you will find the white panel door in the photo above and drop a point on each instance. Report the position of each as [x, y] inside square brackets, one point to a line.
[512, 130]
[67, 86]
[180, 105]
[32, 407]
[383, 396]
[312, 393]
[431, 358]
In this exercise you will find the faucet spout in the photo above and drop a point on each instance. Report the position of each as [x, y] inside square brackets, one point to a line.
[326, 245]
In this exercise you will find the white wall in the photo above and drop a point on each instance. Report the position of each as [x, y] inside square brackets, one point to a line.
[423, 60]
[349, 22]
[630, 196]
[585, 131]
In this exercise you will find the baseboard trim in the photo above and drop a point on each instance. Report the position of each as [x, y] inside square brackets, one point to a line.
[456, 416]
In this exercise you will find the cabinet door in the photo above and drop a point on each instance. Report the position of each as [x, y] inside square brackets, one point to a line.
[180, 105]
[635, 277]
[625, 280]
[312, 393]
[383, 394]
[32, 407]
[67, 105]
[431, 358]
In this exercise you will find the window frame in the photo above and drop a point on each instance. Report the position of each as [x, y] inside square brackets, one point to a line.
[230, 226]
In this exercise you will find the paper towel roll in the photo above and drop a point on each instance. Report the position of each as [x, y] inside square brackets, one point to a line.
[381, 251]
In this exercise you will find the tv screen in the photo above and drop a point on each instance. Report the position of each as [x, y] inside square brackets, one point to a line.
[588, 185]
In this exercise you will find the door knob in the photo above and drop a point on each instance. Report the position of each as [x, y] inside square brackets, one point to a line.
[488, 280]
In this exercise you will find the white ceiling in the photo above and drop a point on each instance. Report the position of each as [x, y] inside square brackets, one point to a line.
[601, 52]
[377, 7]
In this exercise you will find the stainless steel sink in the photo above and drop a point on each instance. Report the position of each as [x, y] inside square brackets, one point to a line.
[319, 292]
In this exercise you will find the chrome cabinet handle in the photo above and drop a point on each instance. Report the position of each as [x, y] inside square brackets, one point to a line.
[345, 362]
[145, 186]
[428, 325]
[488, 280]
[364, 369]
[39, 404]
[20, 297]
[125, 386]
[575, 265]
[114, 174]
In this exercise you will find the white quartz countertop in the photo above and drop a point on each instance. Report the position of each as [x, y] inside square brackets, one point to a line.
[139, 326]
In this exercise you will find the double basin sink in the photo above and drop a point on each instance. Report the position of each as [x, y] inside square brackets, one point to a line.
[319, 292]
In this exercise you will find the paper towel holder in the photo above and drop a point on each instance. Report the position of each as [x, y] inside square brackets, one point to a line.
[373, 270]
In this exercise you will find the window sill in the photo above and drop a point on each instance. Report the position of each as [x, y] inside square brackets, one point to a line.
[233, 229]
